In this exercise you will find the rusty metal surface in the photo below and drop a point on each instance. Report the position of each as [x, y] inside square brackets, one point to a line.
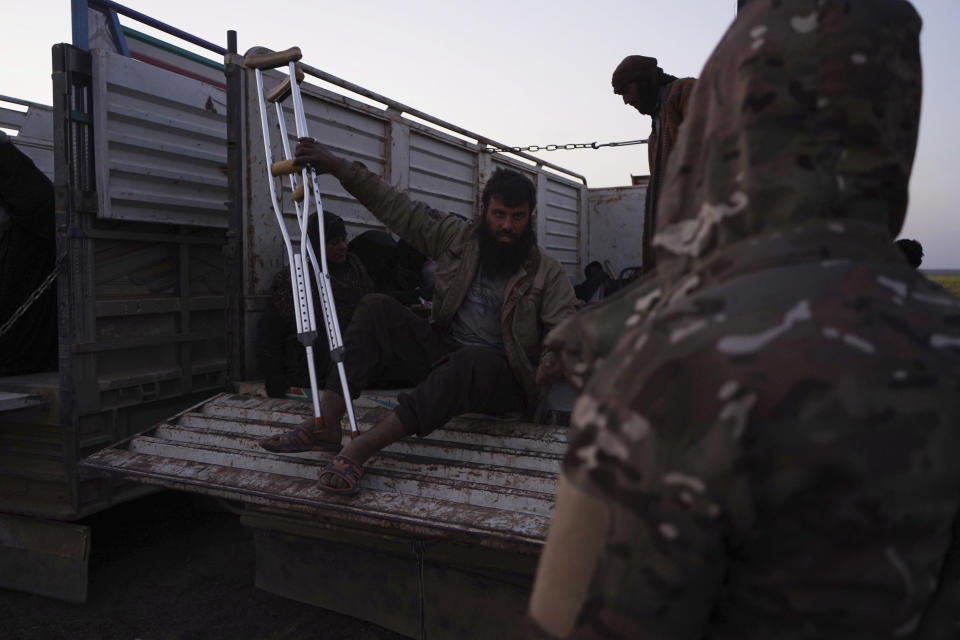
[161, 144]
[483, 481]
[615, 226]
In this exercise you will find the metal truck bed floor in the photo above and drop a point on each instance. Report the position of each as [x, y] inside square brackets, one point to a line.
[477, 481]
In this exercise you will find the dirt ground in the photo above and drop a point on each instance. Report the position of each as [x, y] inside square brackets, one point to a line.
[173, 566]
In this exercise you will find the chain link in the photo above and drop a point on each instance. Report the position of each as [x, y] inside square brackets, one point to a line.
[561, 147]
[39, 291]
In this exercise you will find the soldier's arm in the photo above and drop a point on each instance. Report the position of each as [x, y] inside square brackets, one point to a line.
[427, 229]
[568, 560]
[647, 525]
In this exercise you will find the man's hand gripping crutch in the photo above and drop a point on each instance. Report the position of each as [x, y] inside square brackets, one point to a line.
[303, 182]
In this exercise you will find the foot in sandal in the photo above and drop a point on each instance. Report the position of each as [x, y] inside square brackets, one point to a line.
[310, 435]
[342, 475]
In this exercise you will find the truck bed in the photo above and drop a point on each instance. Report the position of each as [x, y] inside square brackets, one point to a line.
[478, 480]
[442, 539]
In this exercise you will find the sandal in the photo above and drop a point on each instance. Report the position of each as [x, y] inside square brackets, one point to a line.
[345, 469]
[306, 437]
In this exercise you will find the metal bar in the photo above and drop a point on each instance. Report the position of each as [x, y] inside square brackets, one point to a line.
[327, 303]
[156, 24]
[117, 32]
[145, 341]
[183, 72]
[25, 103]
[81, 30]
[139, 306]
[299, 275]
[15, 401]
[236, 329]
[303, 217]
[402, 108]
[110, 234]
[172, 48]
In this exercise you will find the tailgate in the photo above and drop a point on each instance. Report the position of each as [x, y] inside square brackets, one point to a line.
[480, 481]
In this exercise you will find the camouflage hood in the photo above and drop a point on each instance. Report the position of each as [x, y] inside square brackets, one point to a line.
[777, 137]
[769, 422]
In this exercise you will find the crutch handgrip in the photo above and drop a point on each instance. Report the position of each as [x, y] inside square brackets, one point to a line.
[298, 194]
[283, 168]
[282, 90]
[272, 60]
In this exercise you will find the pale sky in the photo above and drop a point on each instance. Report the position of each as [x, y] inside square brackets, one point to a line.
[521, 72]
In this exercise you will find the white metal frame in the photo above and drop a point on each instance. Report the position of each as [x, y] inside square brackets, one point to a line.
[299, 275]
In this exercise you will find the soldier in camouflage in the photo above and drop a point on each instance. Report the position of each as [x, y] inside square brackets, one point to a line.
[767, 440]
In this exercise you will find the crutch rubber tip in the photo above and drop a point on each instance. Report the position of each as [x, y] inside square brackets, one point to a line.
[272, 60]
[283, 168]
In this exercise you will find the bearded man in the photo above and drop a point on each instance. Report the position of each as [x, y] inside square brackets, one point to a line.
[496, 296]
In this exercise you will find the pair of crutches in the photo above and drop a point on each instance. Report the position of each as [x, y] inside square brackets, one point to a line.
[303, 183]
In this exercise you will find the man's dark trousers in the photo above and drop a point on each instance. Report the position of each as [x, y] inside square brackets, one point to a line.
[386, 340]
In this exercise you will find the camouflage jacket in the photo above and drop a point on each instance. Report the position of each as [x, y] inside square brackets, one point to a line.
[537, 298]
[768, 430]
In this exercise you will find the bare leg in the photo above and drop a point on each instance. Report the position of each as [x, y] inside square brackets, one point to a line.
[361, 448]
[332, 408]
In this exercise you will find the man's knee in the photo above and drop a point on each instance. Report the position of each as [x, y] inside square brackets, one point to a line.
[375, 303]
[371, 308]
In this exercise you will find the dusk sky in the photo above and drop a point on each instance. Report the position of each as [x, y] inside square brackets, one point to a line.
[521, 72]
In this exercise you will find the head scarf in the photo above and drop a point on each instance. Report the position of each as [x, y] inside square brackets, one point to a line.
[640, 69]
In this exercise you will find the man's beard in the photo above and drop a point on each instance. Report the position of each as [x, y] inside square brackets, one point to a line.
[503, 259]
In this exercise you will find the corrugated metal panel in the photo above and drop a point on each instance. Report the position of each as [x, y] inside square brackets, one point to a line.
[560, 216]
[141, 296]
[615, 226]
[443, 174]
[487, 482]
[160, 144]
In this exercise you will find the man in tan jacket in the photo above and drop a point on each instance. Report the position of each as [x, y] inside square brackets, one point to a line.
[496, 297]
[645, 87]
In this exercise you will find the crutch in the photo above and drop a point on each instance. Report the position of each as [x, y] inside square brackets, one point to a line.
[299, 272]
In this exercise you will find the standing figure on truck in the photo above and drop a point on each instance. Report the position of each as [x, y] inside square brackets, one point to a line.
[769, 450]
[496, 295]
[645, 87]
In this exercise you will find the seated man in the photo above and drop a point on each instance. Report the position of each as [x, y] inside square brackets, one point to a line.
[496, 296]
[280, 355]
